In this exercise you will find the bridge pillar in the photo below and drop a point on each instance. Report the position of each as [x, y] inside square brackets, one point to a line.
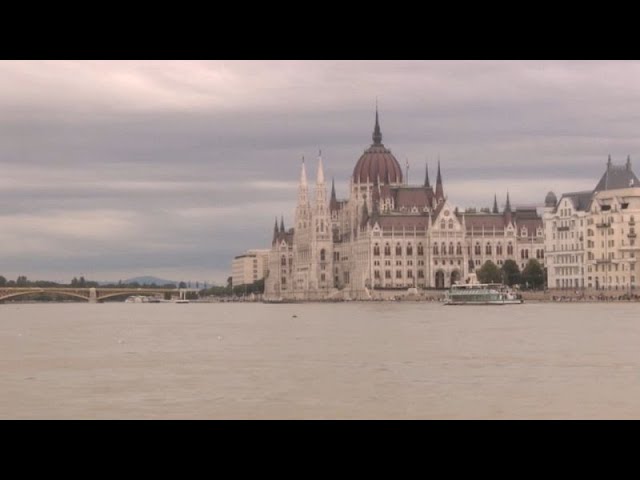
[93, 295]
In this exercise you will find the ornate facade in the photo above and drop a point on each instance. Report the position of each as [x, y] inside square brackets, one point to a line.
[591, 236]
[389, 235]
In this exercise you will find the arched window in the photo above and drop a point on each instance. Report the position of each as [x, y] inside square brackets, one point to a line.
[499, 249]
[443, 248]
[409, 249]
[322, 255]
[487, 249]
[442, 225]
[451, 248]
[376, 250]
[435, 249]
[478, 249]
[509, 249]
[283, 261]
[398, 249]
[387, 250]
[420, 249]
[458, 249]
[450, 224]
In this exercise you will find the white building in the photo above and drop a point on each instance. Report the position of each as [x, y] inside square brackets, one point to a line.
[249, 267]
[389, 235]
[590, 236]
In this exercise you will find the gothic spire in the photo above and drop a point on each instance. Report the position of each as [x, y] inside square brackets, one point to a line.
[333, 203]
[507, 207]
[377, 135]
[275, 231]
[629, 163]
[426, 175]
[303, 175]
[495, 203]
[320, 177]
[281, 224]
[439, 189]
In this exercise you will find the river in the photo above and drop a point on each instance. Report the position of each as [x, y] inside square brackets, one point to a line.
[376, 360]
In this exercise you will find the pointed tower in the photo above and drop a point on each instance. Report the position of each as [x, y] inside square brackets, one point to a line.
[303, 209]
[321, 214]
[495, 203]
[377, 134]
[282, 224]
[507, 210]
[426, 175]
[275, 232]
[628, 165]
[333, 203]
[439, 189]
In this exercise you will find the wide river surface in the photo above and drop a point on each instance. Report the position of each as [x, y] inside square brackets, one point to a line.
[319, 361]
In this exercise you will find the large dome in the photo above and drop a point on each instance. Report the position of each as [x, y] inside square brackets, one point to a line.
[377, 162]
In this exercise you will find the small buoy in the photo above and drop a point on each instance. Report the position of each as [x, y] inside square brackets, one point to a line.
[294, 316]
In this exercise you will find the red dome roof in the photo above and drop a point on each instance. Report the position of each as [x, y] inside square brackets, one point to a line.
[377, 163]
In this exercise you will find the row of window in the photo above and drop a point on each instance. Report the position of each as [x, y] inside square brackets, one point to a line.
[387, 274]
[387, 249]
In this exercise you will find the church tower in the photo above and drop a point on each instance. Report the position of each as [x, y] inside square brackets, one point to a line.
[321, 234]
[303, 281]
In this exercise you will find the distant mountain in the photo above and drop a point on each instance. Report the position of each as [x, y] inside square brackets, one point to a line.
[148, 280]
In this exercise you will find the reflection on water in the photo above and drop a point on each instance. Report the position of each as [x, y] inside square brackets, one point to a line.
[351, 360]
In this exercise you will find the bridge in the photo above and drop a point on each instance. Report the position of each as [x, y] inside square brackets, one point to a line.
[91, 295]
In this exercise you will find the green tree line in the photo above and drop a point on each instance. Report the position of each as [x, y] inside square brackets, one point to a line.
[532, 276]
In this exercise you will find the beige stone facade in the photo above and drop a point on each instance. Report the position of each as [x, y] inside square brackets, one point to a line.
[590, 236]
[389, 235]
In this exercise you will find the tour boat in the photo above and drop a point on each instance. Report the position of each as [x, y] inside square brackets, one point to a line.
[481, 294]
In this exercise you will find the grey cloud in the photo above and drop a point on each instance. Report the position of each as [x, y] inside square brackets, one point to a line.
[192, 160]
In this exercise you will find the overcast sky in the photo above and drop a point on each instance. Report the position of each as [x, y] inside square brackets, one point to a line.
[113, 169]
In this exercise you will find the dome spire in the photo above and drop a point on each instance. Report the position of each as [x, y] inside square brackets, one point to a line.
[377, 134]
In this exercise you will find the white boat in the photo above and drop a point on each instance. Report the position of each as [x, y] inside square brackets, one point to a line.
[137, 299]
[481, 294]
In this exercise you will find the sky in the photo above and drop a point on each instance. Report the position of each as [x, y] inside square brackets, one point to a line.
[114, 169]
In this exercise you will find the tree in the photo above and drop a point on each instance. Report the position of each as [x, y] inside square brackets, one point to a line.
[489, 273]
[533, 274]
[229, 282]
[22, 281]
[511, 272]
[3, 281]
[182, 285]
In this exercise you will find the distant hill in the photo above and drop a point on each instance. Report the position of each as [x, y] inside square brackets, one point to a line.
[148, 280]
